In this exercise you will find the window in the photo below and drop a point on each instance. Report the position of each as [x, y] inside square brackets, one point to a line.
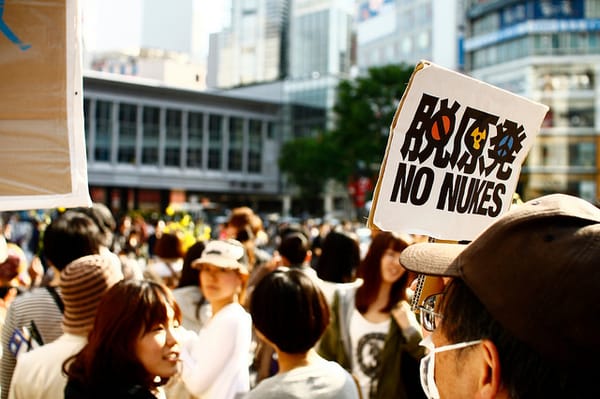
[194, 151]
[127, 133]
[215, 141]
[103, 130]
[236, 144]
[151, 124]
[173, 138]
[254, 146]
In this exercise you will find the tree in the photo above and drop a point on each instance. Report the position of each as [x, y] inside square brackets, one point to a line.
[364, 111]
[306, 162]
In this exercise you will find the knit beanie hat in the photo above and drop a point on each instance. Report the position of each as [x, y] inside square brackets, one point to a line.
[82, 284]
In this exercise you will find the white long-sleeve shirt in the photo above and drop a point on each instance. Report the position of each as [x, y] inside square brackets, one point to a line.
[216, 362]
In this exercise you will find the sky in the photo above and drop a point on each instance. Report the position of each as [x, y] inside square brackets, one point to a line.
[116, 24]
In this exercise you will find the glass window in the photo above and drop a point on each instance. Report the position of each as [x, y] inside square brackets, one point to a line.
[194, 151]
[236, 144]
[254, 146]
[271, 130]
[215, 141]
[173, 138]
[103, 130]
[564, 152]
[127, 133]
[582, 154]
[592, 9]
[151, 127]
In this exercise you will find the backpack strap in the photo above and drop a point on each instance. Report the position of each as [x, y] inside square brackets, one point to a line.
[56, 297]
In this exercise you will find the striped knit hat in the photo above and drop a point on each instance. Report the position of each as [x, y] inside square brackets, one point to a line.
[82, 284]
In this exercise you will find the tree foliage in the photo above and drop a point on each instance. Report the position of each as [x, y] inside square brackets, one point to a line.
[305, 161]
[364, 111]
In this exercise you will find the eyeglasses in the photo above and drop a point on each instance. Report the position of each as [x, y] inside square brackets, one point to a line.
[429, 317]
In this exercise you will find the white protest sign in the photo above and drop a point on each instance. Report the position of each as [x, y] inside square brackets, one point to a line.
[43, 162]
[453, 156]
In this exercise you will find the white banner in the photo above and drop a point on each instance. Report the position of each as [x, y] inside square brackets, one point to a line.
[42, 141]
[454, 155]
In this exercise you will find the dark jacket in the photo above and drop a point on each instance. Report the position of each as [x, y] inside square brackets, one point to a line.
[75, 390]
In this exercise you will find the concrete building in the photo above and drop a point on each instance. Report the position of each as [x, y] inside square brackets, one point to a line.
[149, 145]
[392, 31]
[253, 47]
[548, 51]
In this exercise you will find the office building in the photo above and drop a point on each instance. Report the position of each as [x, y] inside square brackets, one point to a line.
[549, 51]
[151, 145]
[407, 31]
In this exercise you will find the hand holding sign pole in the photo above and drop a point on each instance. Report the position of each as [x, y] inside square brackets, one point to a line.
[453, 156]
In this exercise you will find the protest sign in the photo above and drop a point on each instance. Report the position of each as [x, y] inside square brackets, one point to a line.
[453, 156]
[42, 141]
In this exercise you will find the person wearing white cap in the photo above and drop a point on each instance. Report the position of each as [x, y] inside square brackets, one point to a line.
[215, 362]
[83, 282]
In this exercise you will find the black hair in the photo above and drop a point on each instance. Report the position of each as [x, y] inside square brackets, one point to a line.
[70, 236]
[525, 373]
[105, 221]
[340, 256]
[294, 247]
[289, 309]
[190, 276]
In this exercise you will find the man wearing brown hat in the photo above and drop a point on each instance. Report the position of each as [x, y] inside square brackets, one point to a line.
[38, 373]
[520, 315]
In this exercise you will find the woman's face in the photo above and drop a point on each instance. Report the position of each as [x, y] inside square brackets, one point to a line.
[157, 349]
[219, 285]
[391, 269]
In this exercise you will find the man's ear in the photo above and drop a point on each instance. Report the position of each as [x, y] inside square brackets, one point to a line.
[489, 384]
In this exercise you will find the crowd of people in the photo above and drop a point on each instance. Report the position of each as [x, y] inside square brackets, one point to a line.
[93, 308]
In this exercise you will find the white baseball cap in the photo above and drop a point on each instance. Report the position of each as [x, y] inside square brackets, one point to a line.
[227, 254]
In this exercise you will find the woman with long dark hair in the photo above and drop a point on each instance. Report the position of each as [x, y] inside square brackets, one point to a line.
[132, 349]
[373, 333]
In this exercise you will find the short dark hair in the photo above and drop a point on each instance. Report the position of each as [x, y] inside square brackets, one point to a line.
[289, 309]
[105, 221]
[525, 373]
[169, 246]
[340, 256]
[70, 236]
[294, 247]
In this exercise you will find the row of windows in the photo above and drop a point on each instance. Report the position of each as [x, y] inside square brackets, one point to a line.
[534, 9]
[563, 152]
[175, 127]
[564, 43]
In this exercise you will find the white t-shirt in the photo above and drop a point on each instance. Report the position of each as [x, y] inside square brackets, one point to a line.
[216, 361]
[367, 340]
[38, 373]
[320, 380]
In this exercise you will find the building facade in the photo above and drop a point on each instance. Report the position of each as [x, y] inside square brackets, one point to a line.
[549, 51]
[149, 146]
[407, 31]
[253, 48]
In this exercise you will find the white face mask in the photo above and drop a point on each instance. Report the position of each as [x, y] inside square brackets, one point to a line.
[428, 364]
